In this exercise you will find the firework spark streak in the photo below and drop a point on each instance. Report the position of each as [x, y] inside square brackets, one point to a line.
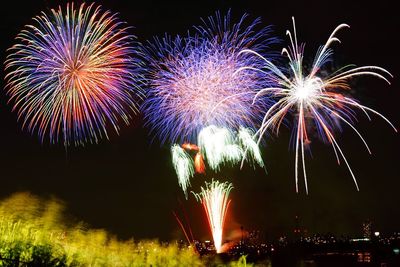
[250, 147]
[74, 73]
[217, 146]
[316, 100]
[183, 165]
[189, 76]
[220, 146]
[215, 200]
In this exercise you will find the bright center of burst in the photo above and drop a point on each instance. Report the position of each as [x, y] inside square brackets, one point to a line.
[73, 73]
[306, 89]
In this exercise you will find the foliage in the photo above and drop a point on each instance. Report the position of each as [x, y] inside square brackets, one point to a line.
[33, 233]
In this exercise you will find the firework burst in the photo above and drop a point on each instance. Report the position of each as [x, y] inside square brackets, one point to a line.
[73, 74]
[316, 100]
[216, 147]
[190, 76]
[215, 200]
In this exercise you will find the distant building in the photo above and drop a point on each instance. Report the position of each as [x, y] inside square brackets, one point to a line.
[298, 231]
[367, 229]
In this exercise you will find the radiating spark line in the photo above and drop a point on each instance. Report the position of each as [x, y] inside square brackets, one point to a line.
[250, 146]
[217, 146]
[183, 165]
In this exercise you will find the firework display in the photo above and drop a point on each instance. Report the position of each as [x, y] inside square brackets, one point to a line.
[197, 96]
[315, 99]
[192, 83]
[105, 120]
[215, 200]
[73, 75]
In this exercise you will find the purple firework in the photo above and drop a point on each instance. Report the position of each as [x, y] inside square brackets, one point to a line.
[194, 81]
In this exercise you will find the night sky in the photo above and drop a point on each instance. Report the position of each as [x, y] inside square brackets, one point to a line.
[128, 186]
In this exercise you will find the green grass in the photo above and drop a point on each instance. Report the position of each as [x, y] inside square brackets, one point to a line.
[33, 232]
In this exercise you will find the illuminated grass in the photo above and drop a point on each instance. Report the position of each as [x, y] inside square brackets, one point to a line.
[33, 232]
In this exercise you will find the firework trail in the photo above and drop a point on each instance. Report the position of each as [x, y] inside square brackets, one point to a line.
[183, 165]
[315, 99]
[218, 146]
[221, 146]
[251, 150]
[73, 74]
[189, 77]
[215, 200]
[184, 224]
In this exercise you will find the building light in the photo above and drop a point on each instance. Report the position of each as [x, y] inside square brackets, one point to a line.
[359, 239]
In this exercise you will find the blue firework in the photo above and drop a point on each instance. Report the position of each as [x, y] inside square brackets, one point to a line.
[194, 82]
